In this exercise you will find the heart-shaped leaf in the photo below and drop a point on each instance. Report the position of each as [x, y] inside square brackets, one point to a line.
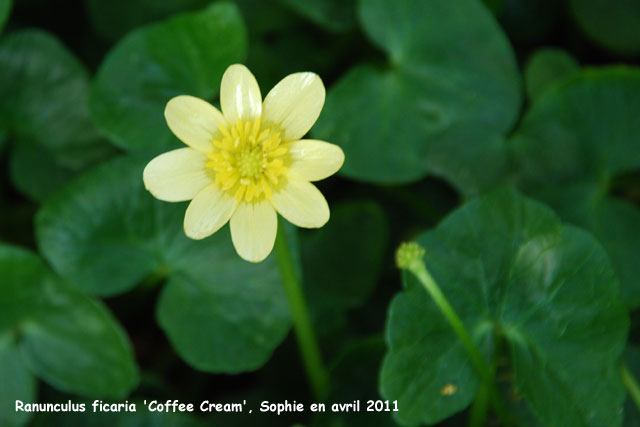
[43, 106]
[569, 149]
[224, 315]
[106, 233]
[450, 93]
[513, 273]
[67, 339]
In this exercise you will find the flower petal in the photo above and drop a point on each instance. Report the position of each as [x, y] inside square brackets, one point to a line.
[240, 96]
[294, 104]
[315, 160]
[253, 230]
[302, 204]
[207, 212]
[177, 175]
[194, 121]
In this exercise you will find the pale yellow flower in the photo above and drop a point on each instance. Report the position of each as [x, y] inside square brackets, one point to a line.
[246, 163]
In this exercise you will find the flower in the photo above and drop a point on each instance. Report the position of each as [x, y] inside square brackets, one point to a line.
[247, 163]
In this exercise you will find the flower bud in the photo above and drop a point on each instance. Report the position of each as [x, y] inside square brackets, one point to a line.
[408, 253]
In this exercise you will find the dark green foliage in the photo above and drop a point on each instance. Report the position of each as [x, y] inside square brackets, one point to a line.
[436, 104]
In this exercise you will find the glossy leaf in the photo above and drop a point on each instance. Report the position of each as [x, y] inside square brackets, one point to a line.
[17, 384]
[226, 317]
[613, 24]
[424, 358]
[509, 267]
[43, 106]
[546, 68]
[186, 54]
[569, 149]
[67, 339]
[451, 92]
[106, 233]
[33, 171]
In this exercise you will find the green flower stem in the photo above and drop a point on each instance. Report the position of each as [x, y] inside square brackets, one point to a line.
[411, 259]
[631, 384]
[307, 342]
[480, 408]
[420, 271]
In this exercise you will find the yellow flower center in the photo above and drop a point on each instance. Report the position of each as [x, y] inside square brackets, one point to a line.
[249, 160]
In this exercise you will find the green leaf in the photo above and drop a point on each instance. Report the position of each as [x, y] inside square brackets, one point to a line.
[106, 233]
[333, 15]
[113, 19]
[17, 384]
[613, 24]
[548, 67]
[37, 67]
[510, 268]
[43, 105]
[5, 9]
[33, 172]
[94, 359]
[424, 357]
[570, 147]
[184, 55]
[450, 92]
[353, 244]
[67, 339]
[227, 316]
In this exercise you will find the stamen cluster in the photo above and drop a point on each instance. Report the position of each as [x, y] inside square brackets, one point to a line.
[249, 161]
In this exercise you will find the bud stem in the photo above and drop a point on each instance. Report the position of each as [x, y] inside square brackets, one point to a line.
[417, 266]
[423, 275]
[631, 385]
